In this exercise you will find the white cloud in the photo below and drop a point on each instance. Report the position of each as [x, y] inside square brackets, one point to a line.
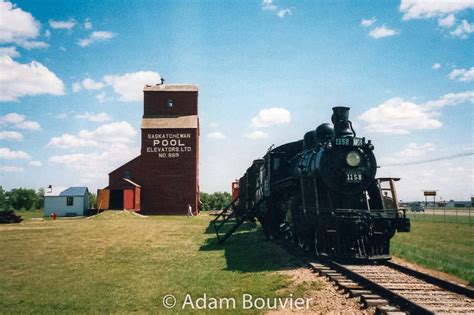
[35, 163]
[88, 24]
[450, 99]
[29, 125]
[130, 85]
[256, 135]
[11, 135]
[368, 22]
[398, 116]
[9, 51]
[216, 135]
[102, 97]
[90, 84]
[268, 5]
[463, 30]
[16, 25]
[12, 118]
[19, 122]
[62, 115]
[32, 44]
[11, 169]
[412, 150]
[97, 36]
[76, 87]
[409, 153]
[99, 117]
[447, 21]
[116, 132]
[47, 34]
[67, 141]
[282, 12]
[424, 9]
[382, 31]
[62, 25]
[462, 75]
[453, 179]
[213, 125]
[271, 116]
[18, 80]
[7, 154]
[91, 167]
[436, 66]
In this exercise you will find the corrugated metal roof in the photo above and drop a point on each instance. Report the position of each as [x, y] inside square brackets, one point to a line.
[171, 87]
[74, 191]
[170, 123]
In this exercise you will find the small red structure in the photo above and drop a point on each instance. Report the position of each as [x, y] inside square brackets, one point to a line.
[235, 190]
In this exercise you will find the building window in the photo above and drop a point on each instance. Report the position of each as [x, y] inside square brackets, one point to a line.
[70, 201]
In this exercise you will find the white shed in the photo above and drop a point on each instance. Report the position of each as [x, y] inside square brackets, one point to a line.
[70, 202]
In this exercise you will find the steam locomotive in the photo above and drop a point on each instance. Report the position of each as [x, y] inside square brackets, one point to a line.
[321, 192]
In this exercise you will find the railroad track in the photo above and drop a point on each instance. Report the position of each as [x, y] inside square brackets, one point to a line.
[395, 289]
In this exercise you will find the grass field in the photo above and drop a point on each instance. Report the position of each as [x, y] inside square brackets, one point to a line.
[447, 247]
[120, 263]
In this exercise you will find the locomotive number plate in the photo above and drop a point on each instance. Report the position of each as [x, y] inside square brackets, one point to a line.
[353, 177]
[356, 142]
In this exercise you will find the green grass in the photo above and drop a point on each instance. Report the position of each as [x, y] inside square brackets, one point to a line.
[120, 263]
[29, 214]
[447, 217]
[446, 247]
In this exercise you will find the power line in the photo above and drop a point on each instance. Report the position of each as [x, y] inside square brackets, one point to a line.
[448, 157]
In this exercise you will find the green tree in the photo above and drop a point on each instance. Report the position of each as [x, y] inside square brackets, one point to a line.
[39, 204]
[214, 201]
[203, 201]
[2, 198]
[92, 200]
[22, 198]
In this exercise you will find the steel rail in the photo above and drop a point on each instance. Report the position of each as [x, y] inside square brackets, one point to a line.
[447, 285]
[401, 301]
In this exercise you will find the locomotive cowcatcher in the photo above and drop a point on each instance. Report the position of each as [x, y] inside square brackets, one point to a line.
[321, 193]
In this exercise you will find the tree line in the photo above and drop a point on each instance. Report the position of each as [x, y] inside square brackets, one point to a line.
[27, 199]
[21, 199]
[214, 201]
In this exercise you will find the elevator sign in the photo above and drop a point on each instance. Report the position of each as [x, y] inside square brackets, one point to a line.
[168, 145]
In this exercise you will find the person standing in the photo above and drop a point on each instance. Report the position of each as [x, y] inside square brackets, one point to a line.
[190, 211]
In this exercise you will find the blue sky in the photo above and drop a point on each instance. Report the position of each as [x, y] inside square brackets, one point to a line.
[72, 74]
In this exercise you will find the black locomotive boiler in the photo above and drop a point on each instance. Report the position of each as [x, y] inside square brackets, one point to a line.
[321, 192]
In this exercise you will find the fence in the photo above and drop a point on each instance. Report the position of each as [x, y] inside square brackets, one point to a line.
[449, 215]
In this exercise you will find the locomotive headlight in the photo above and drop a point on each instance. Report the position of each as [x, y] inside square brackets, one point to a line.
[353, 159]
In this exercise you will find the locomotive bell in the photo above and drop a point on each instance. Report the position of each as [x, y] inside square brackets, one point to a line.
[342, 124]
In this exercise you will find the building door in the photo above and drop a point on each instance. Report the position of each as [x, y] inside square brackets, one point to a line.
[128, 202]
[116, 199]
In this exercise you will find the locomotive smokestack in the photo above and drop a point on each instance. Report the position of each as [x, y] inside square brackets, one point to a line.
[342, 124]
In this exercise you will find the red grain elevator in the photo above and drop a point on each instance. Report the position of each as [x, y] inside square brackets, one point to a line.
[166, 174]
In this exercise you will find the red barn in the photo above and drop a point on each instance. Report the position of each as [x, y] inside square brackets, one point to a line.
[164, 178]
